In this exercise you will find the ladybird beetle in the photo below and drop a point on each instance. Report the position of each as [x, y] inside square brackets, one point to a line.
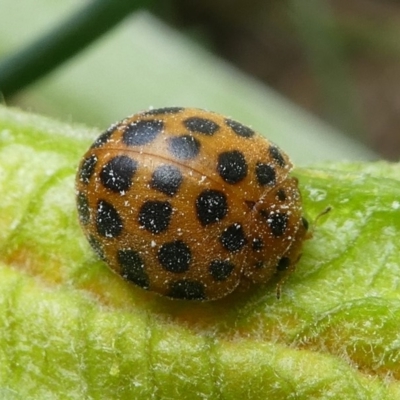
[187, 203]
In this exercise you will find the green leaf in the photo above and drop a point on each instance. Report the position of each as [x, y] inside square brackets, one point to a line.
[70, 328]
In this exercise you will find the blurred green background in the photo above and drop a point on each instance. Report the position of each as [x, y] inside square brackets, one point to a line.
[282, 67]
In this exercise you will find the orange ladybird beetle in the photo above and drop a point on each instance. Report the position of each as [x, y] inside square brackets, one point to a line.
[187, 203]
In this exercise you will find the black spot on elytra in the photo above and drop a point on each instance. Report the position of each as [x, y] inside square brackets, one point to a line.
[132, 267]
[155, 215]
[83, 208]
[108, 221]
[257, 244]
[104, 137]
[265, 173]
[142, 132]
[277, 156]
[118, 173]
[187, 290]
[201, 125]
[87, 168]
[184, 147]
[166, 179]
[239, 129]
[220, 270]
[276, 221]
[175, 256]
[211, 206]
[232, 166]
[233, 238]
[281, 195]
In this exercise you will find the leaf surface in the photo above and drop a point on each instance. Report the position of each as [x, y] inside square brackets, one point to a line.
[70, 328]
